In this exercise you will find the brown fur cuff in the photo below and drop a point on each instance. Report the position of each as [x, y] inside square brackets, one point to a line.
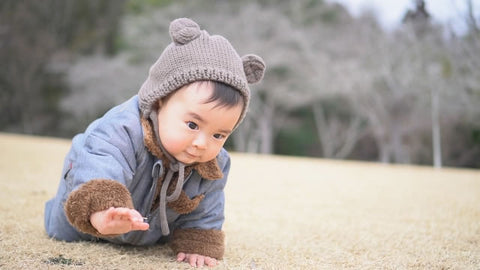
[93, 196]
[196, 241]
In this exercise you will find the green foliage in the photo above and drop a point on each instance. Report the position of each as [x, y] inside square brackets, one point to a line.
[447, 69]
[140, 6]
[476, 135]
[299, 138]
[337, 106]
[93, 25]
[279, 71]
[465, 149]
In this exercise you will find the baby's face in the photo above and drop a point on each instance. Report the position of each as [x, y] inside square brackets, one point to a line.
[191, 130]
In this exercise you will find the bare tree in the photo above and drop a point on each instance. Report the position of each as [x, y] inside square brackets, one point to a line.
[34, 46]
[24, 51]
[472, 22]
[400, 90]
[337, 136]
[281, 90]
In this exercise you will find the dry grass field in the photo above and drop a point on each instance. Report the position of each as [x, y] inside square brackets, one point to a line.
[282, 213]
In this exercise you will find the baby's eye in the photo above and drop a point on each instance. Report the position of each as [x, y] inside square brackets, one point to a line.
[192, 125]
[219, 136]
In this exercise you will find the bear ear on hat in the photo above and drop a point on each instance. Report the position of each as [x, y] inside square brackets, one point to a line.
[183, 30]
[254, 67]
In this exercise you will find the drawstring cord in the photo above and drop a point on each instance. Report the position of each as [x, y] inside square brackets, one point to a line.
[175, 166]
[163, 194]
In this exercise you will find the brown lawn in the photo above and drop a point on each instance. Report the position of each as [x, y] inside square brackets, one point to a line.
[282, 213]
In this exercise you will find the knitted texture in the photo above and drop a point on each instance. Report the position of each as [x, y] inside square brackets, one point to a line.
[194, 55]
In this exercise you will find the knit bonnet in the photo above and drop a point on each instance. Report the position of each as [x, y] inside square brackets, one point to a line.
[194, 55]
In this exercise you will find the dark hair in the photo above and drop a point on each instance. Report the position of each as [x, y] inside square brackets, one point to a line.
[225, 95]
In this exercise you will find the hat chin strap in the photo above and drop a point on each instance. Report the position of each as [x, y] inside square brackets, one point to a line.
[175, 166]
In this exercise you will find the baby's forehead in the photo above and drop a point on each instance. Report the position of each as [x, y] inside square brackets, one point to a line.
[201, 85]
[193, 88]
[199, 89]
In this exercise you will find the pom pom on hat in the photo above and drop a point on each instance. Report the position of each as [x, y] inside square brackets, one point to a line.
[254, 67]
[183, 30]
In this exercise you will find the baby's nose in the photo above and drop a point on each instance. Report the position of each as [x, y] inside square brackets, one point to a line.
[200, 141]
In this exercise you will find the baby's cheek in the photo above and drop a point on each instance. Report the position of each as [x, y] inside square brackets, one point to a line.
[211, 153]
[173, 144]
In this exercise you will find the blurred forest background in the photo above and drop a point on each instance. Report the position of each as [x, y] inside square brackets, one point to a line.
[336, 86]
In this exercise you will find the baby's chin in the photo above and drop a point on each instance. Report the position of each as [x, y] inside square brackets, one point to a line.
[188, 160]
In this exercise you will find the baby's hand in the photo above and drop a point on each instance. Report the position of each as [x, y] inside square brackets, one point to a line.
[118, 221]
[196, 260]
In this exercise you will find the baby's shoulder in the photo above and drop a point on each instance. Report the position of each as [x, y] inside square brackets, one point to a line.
[120, 123]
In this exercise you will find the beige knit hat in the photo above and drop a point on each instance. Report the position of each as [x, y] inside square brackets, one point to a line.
[195, 55]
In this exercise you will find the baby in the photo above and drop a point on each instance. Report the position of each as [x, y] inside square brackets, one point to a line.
[153, 169]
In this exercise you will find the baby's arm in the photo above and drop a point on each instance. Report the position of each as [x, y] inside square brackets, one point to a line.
[117, 221]
[95, 199]
[196, 260]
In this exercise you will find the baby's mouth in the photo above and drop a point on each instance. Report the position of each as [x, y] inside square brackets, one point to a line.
[191, 155]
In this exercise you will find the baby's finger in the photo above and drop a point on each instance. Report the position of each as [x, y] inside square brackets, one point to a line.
[116, 213]
[123, 211]
[210, 261]
[111, 213]
[140, 226]
[128, 214]
[200, 261]
[192, 260]
[181, 256]
[135, 216]
[118, 226]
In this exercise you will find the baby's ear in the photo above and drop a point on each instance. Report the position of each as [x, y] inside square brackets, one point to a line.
[183, 31]
[254, 67]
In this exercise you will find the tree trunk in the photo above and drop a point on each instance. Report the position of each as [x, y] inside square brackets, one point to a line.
[436, 140]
